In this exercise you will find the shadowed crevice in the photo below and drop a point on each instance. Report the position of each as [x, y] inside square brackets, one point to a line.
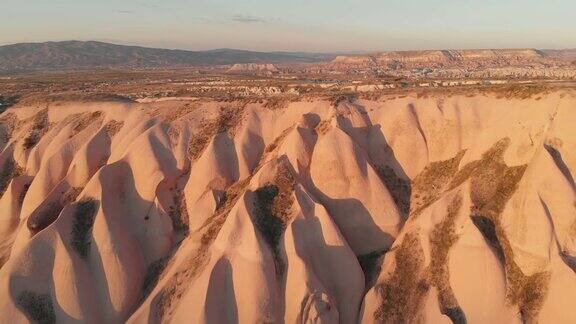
[557, 157]
[569, 260]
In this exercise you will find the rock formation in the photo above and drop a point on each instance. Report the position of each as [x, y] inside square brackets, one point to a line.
[400, 209]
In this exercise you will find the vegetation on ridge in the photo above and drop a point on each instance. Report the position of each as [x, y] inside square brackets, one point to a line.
[492, 184]
[37, 307]
[442, 238]
[432, 182]
[272, 211]
[39, 128]
[171, 293]
[9, 171]
[403, 292]
[84, 214]
[226, 121]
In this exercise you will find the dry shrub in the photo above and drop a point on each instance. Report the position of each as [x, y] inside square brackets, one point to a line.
[9, 171]
[197, 144]
[84, 120]
[39, 128]
[279, 139]
[48, 213]
[178, 212]
[339, 98]
[272, 205]
[442, 239]
[492, 185]
[276, 103]
[9, 122]
[60, 98]
[214, 223]
[84, 215]
[37, 307]
[44, 216]
[403, 292]
[429, 184]
[70, 195]
[7, 102]
[178, 283]
[271, 149]
[181, 111]
[324, 126]
[113, 127]
[226, 122]
[494, 153]
[521, 91]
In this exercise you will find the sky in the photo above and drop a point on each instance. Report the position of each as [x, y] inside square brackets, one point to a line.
[295, 25]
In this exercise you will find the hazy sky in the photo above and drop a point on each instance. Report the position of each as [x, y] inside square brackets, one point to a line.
[308, 25]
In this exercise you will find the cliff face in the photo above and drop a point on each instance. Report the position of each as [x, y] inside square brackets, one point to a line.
[414, 57]
[405, 209]
[253, 68]
[449, 58]
[351, 59]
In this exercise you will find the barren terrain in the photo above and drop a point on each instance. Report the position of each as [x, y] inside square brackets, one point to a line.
[165, 197]
[398, 187]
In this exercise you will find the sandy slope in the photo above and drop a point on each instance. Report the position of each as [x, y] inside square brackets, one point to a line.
[403, 209]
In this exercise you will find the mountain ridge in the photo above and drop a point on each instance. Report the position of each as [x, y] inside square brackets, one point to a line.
[84, 55]
[70, 55]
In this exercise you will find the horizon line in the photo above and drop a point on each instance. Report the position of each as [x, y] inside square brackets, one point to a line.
[339, 52]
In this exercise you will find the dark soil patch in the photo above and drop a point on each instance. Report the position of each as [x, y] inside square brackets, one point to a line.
[403, 293]
[226, 121]
[9, 171]
[7, 102]
[272, 206]
[178, 213]
[44, 216]
[492, 185]
[84, 121]
[48, 213]
[81, 229]
[442, 238]
[428, 186]
[179, 282]
[39, 128]
[37, 307]
[113, 127]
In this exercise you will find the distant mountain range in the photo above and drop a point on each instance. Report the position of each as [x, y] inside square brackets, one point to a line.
[81, 55]
[458, 58]
[566, 54]
[73, 55]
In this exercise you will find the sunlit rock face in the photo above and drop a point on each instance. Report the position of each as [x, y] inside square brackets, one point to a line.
[438, 208]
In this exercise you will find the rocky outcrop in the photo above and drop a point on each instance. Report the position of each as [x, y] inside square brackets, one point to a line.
[403, 209]
[252, 68]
